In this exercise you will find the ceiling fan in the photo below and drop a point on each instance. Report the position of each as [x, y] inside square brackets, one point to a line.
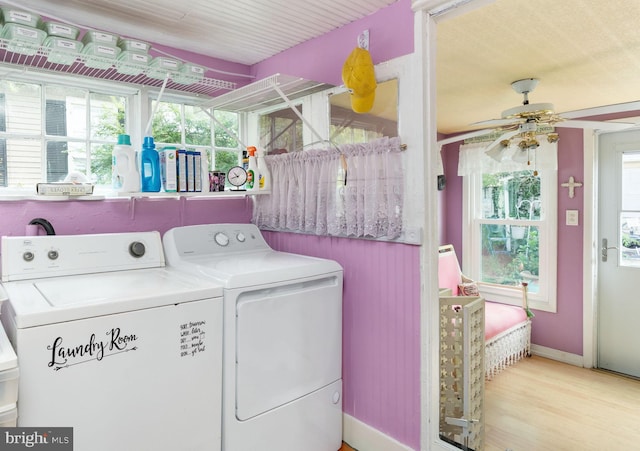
[526, 122]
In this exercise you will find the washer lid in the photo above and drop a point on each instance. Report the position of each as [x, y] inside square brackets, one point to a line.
[258, 267]
[46, 301]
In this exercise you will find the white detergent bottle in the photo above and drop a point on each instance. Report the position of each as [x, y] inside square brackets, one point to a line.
[265, 175]
[125, 175]
[252, 170]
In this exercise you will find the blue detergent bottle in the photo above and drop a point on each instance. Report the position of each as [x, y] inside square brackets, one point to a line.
[150, 167]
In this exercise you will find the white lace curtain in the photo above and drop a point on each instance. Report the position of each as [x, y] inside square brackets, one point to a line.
[309, 192]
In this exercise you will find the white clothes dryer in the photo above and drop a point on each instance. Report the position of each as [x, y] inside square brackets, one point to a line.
[282, 381]
[112, 343]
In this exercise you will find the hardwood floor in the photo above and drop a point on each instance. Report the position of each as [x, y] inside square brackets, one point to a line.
[541, 404]
[346, 447]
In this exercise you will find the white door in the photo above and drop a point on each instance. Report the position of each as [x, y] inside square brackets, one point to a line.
[619, 256]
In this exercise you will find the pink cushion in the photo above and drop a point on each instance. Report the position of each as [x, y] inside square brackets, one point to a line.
[500, 317]
[449, 275]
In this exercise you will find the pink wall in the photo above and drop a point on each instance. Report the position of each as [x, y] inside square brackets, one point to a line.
[382, 281]
[381, 328]
[122, 215]
[390, 36]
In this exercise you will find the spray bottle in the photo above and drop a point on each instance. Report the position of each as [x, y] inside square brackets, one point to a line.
[252, 170]
[265, 175]
[150, 167]
[124, 169]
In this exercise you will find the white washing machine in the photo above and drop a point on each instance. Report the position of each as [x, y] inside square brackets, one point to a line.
[282, 371]
[113, 343]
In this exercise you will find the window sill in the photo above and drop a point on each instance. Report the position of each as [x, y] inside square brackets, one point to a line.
[513, 296]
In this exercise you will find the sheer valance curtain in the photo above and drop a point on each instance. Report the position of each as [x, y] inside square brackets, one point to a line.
[473, 159]
[354, 190]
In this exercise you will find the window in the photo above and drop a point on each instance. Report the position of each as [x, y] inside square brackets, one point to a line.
[48, 131]
[51, 126]
[511, 216]
[281, 130]
[185, 125]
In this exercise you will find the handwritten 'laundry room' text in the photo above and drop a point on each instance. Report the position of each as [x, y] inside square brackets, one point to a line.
[63, 356]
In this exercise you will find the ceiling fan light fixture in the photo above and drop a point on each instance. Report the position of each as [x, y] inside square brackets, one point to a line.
[553, 138]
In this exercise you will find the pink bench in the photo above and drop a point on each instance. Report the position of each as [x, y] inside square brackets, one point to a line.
[507, 329]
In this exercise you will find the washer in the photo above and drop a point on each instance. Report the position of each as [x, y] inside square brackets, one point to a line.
[113, 343]
[282, 337]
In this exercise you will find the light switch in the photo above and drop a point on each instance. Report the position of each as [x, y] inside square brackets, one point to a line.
[572, 217]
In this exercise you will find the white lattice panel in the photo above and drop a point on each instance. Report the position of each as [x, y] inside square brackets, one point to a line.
[462, 371]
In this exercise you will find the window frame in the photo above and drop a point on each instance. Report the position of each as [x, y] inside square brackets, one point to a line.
[545, 299]
[138, 110]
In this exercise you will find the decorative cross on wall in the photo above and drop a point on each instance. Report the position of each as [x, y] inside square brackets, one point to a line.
[572, 185]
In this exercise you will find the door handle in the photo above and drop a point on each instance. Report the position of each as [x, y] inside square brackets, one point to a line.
[604, 251]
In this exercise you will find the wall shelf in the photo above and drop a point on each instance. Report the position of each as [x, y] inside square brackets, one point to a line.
[265, 93]
[33, 58]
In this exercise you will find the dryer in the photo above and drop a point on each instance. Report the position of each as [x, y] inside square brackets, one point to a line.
[282, 370]
[112, 343]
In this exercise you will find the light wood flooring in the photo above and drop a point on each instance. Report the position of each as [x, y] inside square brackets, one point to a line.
[541, 404]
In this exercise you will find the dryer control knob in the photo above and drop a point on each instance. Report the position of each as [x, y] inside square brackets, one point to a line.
[137, 249]
[240, 237]
[221, 239]
[336, 397]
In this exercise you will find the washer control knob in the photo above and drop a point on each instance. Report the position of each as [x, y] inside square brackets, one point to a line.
[137, 249]
[28, 256]
[53, 255]
[240, 237]
[336, 397]
[221, 239]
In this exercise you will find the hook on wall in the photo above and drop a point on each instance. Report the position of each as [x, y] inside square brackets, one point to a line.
[363, 40]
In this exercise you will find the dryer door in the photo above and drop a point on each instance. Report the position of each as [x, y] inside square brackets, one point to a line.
[289, 342]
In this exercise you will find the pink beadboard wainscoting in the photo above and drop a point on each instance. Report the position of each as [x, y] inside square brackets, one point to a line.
[122, 215]
[381, 328]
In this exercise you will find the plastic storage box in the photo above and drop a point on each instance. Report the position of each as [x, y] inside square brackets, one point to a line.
[62, 50]
[132, 63]
[160, 66]
[100, 37]
[22, 38]
[12, 15]
[61, 30]
[133, 45]
[189, 74]
[100, 56]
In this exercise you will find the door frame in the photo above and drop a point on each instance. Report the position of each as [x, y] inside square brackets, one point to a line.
[590, 250]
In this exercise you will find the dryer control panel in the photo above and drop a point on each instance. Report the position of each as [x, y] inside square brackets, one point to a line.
[213, 240]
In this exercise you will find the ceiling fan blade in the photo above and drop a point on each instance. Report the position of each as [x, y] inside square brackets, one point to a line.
[499, 122]
[495, 150]
[464, 136]
[595, 125]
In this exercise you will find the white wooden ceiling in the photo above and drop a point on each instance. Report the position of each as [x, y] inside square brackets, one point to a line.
[585, 53]
[241, 31]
